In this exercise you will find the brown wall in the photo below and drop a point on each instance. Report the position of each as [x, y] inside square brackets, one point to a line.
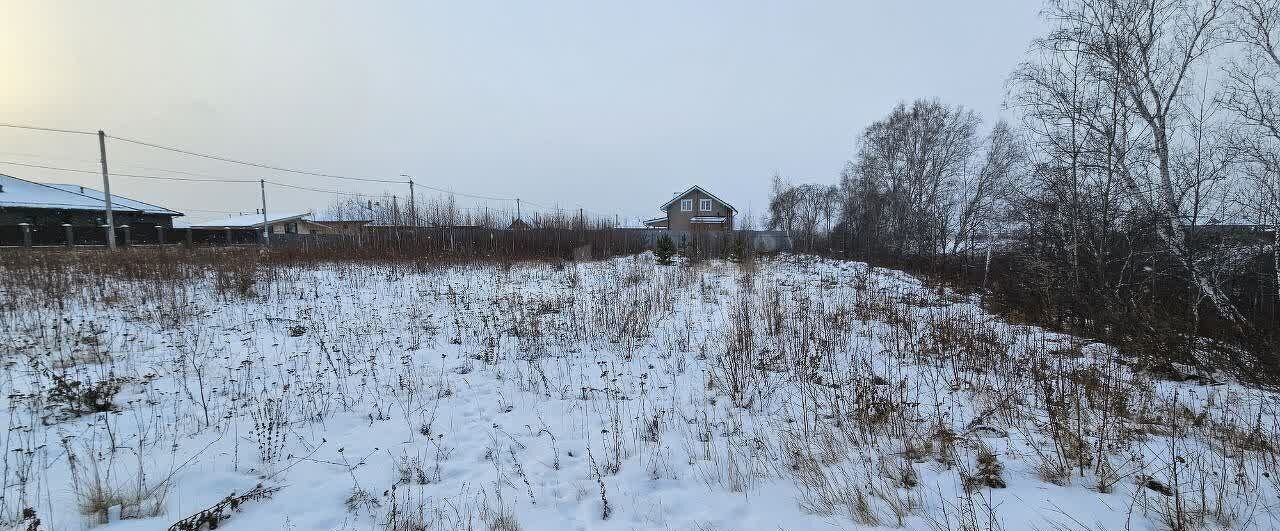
[80, 218]
[349, 228]
[679, 220]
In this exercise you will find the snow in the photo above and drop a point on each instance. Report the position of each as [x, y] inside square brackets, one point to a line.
[481, 375]
[23, 193]
[707, 219]
[639, 223]
[117, 202]
[249, 220]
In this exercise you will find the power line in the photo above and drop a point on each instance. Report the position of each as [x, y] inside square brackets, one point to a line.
[47, 157]
[158, 177]
[47, 129]
[560, 209]
[473, 196]
[82, 206]
[340, 192]
[546, 209]
[186, 179]
[208, 211]
[249, 163]
[133, 175]
[303, 172]
[323, 191]
[245, 181]
[87, 161]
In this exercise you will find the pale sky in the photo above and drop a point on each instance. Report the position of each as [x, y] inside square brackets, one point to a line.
[610, 105]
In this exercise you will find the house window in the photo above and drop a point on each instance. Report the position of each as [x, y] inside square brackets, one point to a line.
[291, 228]
[686, 205]
[704, 205]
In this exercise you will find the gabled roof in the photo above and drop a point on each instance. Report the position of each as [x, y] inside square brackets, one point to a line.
[118, 202]
[700, 189]
[248, 220]
[21, 193]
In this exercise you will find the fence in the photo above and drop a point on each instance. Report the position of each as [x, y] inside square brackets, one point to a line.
[414, 241]
[67, 235]
[528, 243]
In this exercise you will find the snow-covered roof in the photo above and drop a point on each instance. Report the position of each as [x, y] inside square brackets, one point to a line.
[117, 201]
[15, 192]
[707, 219]
[639, 223]
[249, 220]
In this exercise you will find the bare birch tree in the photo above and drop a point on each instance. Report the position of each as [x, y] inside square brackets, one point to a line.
[1253, 94]
[1149, 50]
[983, 193]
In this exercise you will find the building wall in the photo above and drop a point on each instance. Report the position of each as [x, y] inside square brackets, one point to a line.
[349, 228]
[678, 220]
[80, 218]
[298, 227]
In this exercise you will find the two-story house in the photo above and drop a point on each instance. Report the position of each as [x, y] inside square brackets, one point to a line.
[695, 210]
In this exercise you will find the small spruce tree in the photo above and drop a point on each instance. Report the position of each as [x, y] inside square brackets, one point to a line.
[664, 250]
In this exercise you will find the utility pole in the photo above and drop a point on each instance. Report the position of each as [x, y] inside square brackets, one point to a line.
[106, 191]
[517, 208]
[266, 229]
[413, 208]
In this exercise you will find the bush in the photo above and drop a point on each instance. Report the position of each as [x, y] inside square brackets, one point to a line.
[76, 398]
[665, 250]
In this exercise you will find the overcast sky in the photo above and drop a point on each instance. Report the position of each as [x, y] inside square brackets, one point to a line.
[610, 105]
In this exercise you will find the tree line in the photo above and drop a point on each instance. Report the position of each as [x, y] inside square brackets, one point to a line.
[443, 211]
[1136, 199]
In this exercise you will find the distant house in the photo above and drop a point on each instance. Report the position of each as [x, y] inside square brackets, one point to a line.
[518, 224]
[695, 210]
[1229, 228]
[346, 227]
[57, 205]
[285, 223]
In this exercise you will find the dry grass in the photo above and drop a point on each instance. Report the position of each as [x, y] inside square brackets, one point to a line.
[866, 392]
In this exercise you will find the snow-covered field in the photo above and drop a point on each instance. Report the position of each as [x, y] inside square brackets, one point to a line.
[789, 393]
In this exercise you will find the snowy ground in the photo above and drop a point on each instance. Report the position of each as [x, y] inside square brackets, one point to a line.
[793, 393]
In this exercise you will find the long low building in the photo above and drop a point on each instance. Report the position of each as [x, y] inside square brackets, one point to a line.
[49, 213]
[280, 223]
[33, 203]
